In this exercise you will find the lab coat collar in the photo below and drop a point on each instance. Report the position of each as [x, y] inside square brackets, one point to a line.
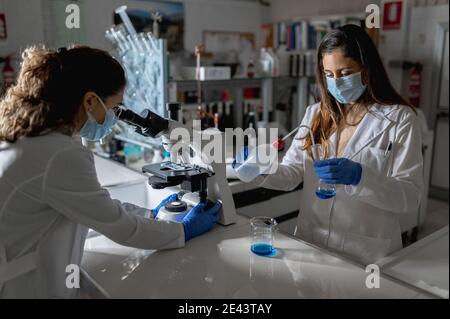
[377, 120]
[384, 110]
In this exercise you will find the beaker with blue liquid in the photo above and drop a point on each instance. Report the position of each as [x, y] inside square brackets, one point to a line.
[263, 229]
[324, 190]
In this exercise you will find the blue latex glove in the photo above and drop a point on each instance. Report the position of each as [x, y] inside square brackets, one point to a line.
[338, 171]
[241, 156]
[167, 200]
[200, 220]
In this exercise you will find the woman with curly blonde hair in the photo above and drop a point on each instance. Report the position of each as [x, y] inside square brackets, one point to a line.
[49, 192]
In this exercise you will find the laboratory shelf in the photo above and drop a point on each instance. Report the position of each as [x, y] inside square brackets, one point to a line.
[268, 85]
[188, 85]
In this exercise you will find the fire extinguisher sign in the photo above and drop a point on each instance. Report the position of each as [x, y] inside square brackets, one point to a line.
[3, 31]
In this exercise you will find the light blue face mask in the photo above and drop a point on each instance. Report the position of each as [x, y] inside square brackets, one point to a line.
[346, 89]
[94, 131]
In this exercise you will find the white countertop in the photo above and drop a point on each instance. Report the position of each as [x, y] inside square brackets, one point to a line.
[220, 264]
[110, 173]
[424, 264]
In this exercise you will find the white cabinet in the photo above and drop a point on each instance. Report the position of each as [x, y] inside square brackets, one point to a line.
[443, 96]
[440, 169]
[440, 173]
[271, 205]
[257, 209]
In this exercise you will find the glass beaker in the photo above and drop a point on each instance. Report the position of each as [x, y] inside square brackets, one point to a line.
[263, 229]
[323, 190]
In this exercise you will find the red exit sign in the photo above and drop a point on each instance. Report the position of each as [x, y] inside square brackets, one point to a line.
[3, 31]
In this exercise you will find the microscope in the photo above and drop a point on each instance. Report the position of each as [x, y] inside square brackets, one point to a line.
[200, 179]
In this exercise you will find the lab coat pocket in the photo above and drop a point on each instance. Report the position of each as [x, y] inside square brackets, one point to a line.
[375, 158]
[364, 248]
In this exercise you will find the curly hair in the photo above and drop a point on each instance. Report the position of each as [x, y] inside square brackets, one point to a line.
[50, 87]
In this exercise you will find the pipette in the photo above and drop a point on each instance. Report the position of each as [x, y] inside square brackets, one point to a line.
[263, 158]
[279, 143]
[121, 11]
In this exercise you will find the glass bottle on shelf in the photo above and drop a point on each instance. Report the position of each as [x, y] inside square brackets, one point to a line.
[251, 121]
[216, 121]
[251, 69]
[221, 114]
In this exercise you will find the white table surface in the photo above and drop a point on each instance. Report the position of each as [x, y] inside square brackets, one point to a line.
[110, 173]
[424, 264]
[220, 264]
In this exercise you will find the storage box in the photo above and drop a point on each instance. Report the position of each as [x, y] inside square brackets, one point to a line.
[208, 73]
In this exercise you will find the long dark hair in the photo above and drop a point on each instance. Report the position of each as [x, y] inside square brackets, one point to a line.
[50, 88]
[356, 44]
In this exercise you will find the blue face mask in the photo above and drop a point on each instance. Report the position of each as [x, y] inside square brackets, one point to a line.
[347, 88]
[94, 131]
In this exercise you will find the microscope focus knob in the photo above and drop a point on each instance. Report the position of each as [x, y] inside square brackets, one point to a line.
[176, 206]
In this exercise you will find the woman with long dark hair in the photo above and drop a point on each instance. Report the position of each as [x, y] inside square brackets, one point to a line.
[49, 192]
[371, 142]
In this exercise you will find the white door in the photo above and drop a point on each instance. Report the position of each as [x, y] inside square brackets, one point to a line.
[440, 170]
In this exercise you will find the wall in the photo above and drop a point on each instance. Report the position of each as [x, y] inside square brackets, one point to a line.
[217, 15]
[26, 24]
[290, 9]
[413, 42]
[421, 44]
[393, 46]
[220, 15]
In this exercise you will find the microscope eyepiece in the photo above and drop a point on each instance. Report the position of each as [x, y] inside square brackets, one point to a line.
[147, 124]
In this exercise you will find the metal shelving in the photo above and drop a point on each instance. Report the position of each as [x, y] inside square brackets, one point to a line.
[190, 85]
[235, 86]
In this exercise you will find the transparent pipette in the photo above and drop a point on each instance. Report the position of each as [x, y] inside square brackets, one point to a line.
[279, 143]
[296, 129]
[121, 11]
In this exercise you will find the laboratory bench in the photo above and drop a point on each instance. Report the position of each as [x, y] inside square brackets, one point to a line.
[424, 264]
[219, 264]
[249, 198]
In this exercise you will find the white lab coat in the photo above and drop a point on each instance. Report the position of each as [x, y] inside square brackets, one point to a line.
[49, 195]
[360, 222]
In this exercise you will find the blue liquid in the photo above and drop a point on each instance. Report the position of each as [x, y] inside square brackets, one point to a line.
[324, 194]
[262, 249]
